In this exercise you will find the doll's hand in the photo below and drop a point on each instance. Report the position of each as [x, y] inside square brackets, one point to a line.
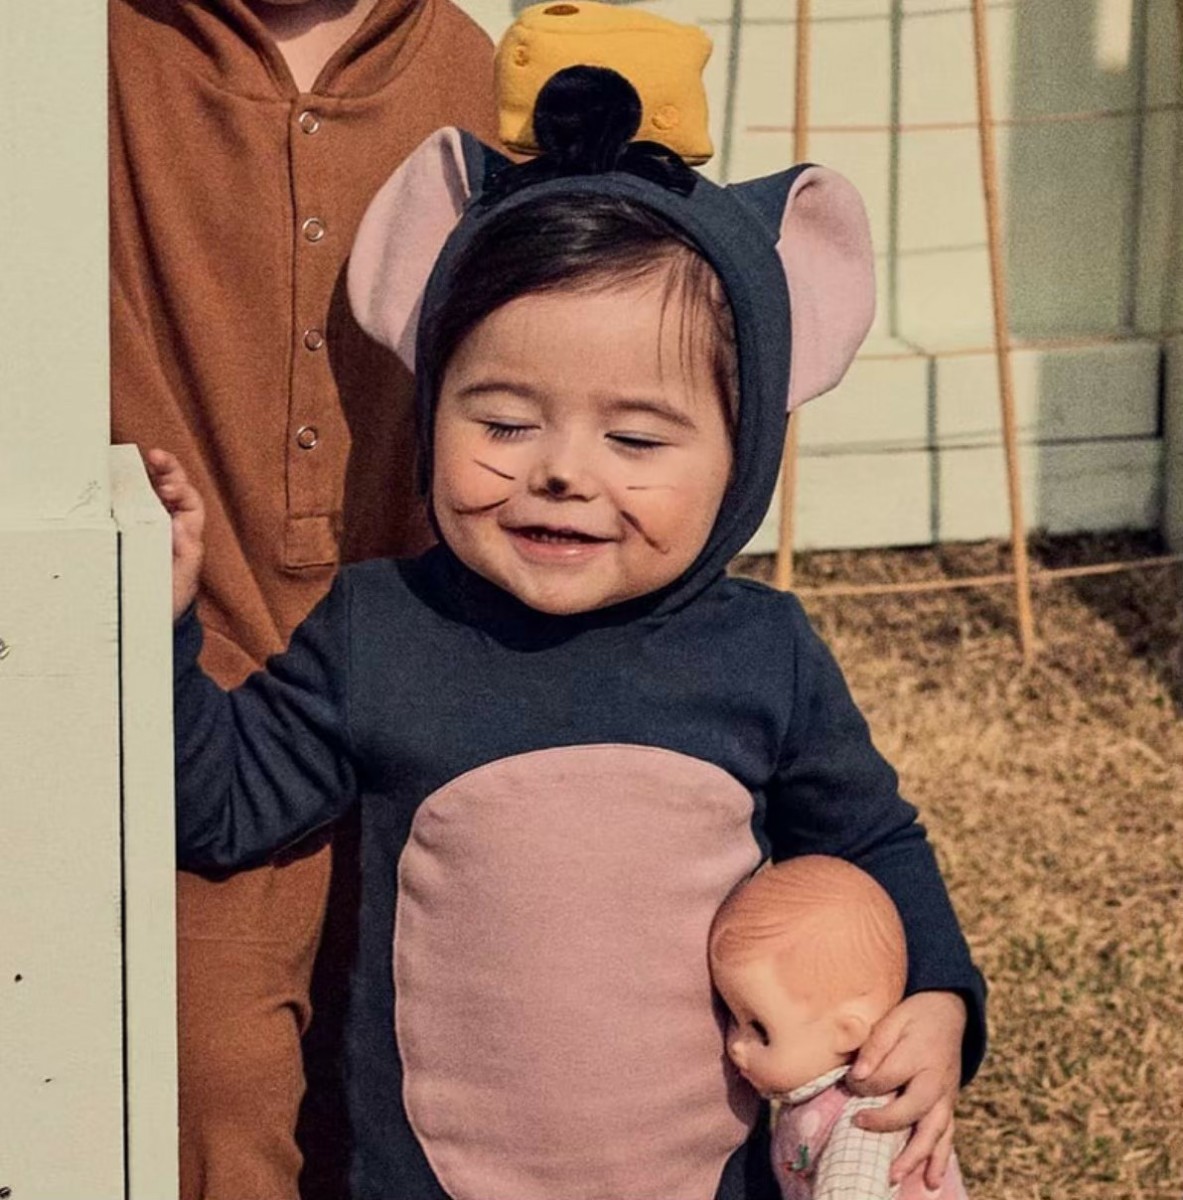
[187, 513]
[915, 1050]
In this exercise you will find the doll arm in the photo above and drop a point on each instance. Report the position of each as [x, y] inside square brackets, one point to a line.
[259, 767]
[856, 1163]
[833, 793]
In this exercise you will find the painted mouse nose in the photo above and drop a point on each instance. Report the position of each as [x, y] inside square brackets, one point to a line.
[558, 473]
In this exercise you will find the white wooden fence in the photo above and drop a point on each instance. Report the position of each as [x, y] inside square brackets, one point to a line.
[87, 1026]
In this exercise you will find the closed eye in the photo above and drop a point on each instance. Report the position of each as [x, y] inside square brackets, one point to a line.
[760, 1031]
[503, 431]
[636, 442]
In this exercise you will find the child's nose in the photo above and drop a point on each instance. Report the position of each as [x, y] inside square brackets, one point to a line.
[561, 473]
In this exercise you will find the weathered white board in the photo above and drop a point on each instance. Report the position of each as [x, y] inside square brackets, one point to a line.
[61, 1021]
[1073, 393]
[149, 872]
[917, 497]
[909, 451]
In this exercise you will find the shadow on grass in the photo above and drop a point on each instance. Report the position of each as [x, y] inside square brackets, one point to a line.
[1143, 608]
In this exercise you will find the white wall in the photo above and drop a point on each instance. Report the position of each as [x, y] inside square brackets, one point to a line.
[61, 1102]
[65, 1084]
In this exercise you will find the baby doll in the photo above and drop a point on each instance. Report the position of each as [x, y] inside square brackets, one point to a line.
[569, 732]
[808, 955]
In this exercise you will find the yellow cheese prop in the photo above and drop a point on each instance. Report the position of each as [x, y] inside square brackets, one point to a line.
[660, 58]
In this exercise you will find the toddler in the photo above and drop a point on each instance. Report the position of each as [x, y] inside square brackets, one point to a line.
[569, 732]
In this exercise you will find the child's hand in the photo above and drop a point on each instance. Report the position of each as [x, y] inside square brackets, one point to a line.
[187, 511]
[915, 1050]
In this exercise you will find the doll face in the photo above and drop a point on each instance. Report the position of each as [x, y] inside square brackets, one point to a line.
[777, 1041]
[581, 451]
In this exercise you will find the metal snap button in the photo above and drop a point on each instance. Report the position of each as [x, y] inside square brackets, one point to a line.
[307, 437]
[313, 339]
[308, 121]
[314, 229]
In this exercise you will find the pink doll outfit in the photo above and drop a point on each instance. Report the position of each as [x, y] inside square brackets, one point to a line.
[818, 1153]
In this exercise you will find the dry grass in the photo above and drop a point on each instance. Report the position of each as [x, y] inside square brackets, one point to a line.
[1055, 798]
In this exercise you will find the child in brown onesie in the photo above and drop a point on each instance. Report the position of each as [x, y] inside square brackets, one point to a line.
[246, 139]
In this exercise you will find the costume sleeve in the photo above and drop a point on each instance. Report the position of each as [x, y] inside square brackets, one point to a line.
[259, 767]
[833, 793]
[856, 1163]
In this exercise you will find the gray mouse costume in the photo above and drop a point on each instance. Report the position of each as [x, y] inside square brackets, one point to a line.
[553, 807]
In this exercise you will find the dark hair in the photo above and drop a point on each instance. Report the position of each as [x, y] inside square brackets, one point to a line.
[575, 242]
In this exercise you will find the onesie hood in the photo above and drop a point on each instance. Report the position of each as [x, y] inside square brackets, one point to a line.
[792, 251]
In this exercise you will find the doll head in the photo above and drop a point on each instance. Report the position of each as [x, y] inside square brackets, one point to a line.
[807, 955]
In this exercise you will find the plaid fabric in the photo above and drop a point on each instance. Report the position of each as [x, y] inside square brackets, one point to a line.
[818, 1152]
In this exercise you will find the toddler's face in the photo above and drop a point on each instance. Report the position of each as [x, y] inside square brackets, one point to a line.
[581, 450]
[777, 1041]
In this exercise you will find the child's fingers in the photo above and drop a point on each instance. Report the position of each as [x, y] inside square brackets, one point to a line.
[923, 1143]
[938, 1160]
[160, 462]
[889, 1069]
[183, 503]
[180, 497]
[171, 484]
[916, 1098]
[164, 469]
[867, 1075]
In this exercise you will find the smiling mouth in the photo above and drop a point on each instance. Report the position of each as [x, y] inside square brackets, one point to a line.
[546, 536]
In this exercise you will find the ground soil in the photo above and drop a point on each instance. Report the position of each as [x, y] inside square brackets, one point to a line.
[1054, 796]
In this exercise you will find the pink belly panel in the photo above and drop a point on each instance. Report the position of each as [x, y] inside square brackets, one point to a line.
[553, 1008]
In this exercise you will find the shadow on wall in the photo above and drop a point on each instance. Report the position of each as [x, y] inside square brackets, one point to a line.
[1094, 221]
[1074, 191]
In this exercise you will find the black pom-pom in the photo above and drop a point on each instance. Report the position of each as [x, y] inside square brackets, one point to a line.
[584, 121]
[585, 117]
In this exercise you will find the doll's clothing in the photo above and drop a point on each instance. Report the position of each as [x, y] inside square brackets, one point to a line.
[818, 1153]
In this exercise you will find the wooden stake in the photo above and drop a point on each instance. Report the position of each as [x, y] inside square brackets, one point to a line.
[783, 575]
[1002, 335]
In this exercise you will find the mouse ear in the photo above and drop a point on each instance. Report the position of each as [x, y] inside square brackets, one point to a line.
[825, 246]
[403, 230]
[824, 243]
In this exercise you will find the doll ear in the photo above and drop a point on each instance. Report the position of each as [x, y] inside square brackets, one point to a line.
[850, 1030]
[825, 246]
[824, 243]
[403, 231]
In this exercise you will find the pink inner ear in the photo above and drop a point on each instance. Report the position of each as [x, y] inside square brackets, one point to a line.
[400, 238]
[825, 246]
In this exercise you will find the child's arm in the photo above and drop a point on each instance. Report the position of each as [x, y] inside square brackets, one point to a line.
[260, 767]
[833, 793]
